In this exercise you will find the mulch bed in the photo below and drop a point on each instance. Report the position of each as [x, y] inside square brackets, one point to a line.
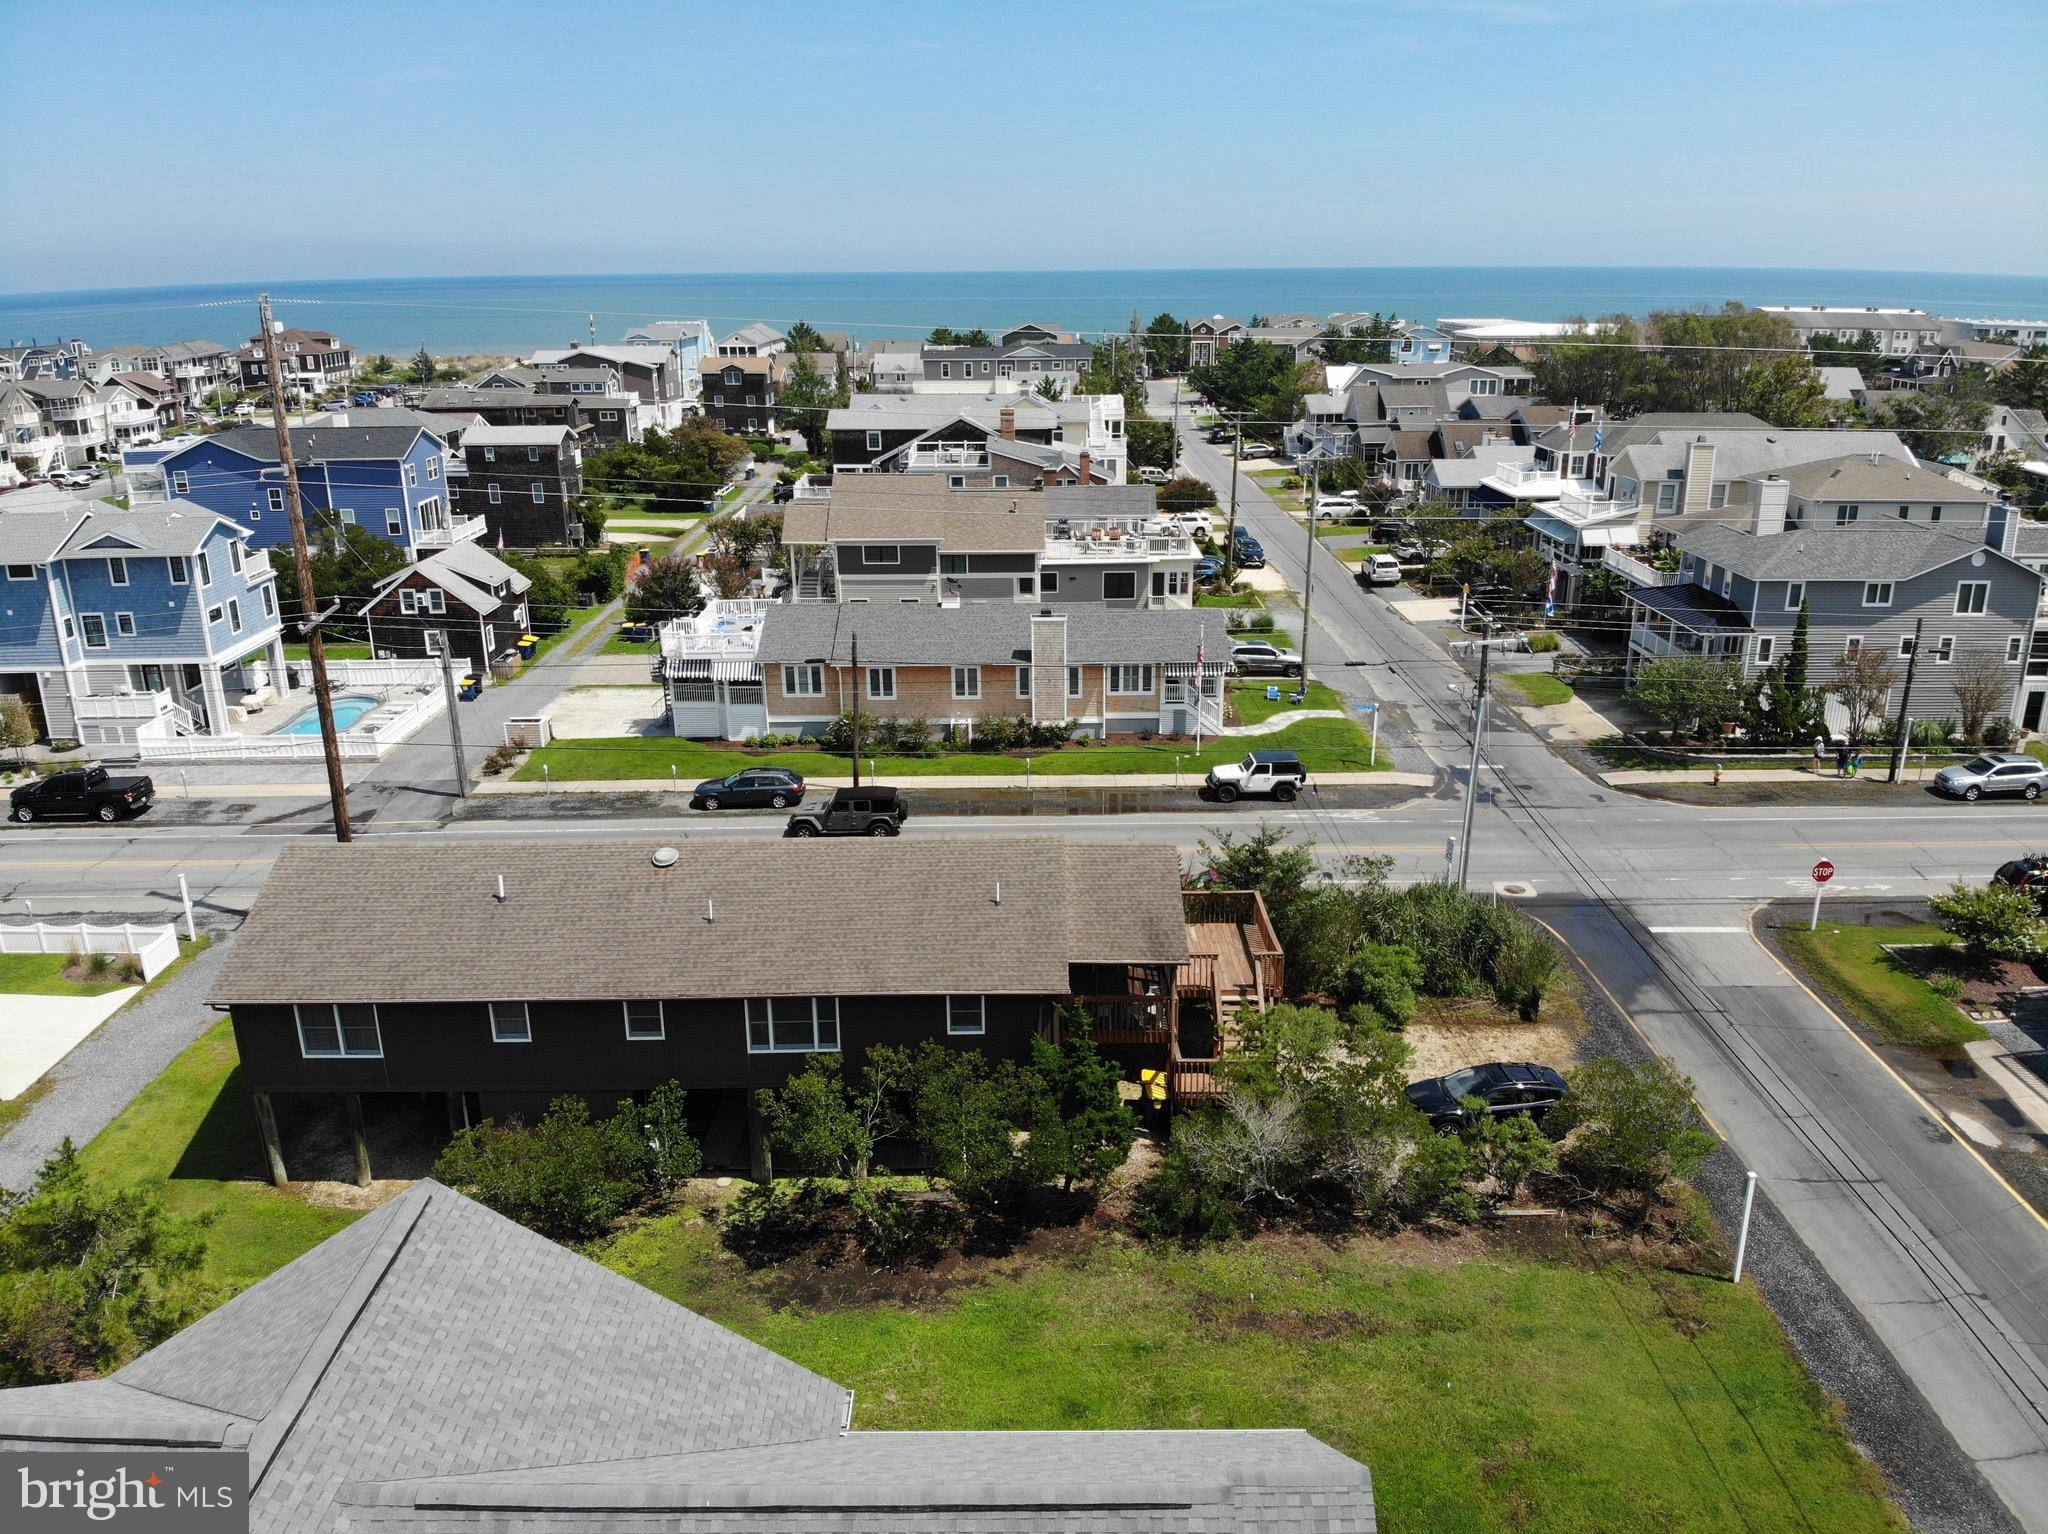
[1988, 985]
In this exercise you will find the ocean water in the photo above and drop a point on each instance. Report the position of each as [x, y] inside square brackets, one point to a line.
[511, 314]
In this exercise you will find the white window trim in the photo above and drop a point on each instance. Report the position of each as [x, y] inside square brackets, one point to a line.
[540, 491]
[660, 1020]
[1983, 606]
[1945, 650]
[871, 553]
[1145, 674]
[803, 681]
[2015, 648]
[1795, 596]
[874, 442]
[1883, 590]
[275, 496]
[1024, 681]
[124, 625]
[823, 1009]
[1905, 645]
[1766, 648]
[117, 570]
[507, 1015]
[341, 1051]
[868, 681]
[1851, 643]
[492, 493]
[972, 676]
[85, 623]
[1077, 681]
[958, 1008]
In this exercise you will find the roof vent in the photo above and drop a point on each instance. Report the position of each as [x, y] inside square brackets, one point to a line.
[501, 889]
[664, 857]
[999, 892]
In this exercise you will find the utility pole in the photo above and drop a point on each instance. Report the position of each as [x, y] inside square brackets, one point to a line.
[310, 616]
[1905, 723]
[858, 682]
[1308, 584]
[1478, 741]
[1230, 541]
[454, 717]
[1173, 437]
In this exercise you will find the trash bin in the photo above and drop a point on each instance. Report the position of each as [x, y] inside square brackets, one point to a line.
[527, 645]
[470, 690]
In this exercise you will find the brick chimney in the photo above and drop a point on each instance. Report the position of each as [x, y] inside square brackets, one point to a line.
[1087, 468]
[1009, 420]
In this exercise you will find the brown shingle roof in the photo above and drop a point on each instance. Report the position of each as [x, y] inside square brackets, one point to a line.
[597, 921]
[954, 531]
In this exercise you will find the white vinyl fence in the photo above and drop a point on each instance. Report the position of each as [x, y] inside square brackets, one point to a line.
[373, 737]
[377, 673]
[153, 947]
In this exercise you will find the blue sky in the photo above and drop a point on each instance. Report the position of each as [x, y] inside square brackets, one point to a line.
[187, 143]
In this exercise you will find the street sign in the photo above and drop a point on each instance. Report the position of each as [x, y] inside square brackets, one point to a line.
[1367, 708]
[1823, 871]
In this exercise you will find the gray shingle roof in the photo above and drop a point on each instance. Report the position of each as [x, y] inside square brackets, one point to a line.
[922, 412]
[436, 1365]
[516, 436]
[1874, 477]
[1870, 551]
[910, 918]
[311, 444]
[180, 527]
[980, 633]
[464, 571]
[33, 537]
[954, 530]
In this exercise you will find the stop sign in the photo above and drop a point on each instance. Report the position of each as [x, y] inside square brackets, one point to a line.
[1823, 871]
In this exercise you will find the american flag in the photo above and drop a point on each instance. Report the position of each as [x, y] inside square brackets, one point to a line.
[501, 540]
[1550, 593]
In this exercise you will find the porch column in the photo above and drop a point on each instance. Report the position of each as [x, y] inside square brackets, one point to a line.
[215, 692]
[273, 1149]
[280, 675]
[355, 1130]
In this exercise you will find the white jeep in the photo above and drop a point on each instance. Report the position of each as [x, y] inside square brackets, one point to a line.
[1276, 775]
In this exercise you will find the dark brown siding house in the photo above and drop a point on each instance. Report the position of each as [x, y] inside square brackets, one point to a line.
[503, 976]
[524, 481]
[435, 1367]
[463, 599]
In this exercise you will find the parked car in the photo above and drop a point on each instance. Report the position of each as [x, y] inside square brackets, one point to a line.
[1505, 1087]
[1256, 657]
[70, 479]
[1256, 450]
[872, 811]
[1192, 524]
[776, 787]
[1262, 774]
[83, 793]
[1207, 568]
[1379, 570]
[1216, 434]
[2029, 873]
[1334, 506]
[1153, 476]
[1995, 772]
[1248, 551]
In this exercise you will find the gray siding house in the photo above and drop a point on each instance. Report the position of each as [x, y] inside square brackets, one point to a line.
[1744, 577]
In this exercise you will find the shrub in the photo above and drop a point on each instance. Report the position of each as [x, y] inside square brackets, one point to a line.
[1949, 987]
[501, 759]
[1543, 644]
[1524, 969]
[1993, 922]
[2000, 733]
[1050, 735]
[909, 735]
[1380, 979]
[1177, 1203]
[765, 1225]
[131, 971]
[1636, 1125]
[1512, 1150]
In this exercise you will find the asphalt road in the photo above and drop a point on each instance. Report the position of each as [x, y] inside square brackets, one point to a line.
[1940, 1258]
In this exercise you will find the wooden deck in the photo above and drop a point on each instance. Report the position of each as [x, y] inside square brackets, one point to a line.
[1228, 943]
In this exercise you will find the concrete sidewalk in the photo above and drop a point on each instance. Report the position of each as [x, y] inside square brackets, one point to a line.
[1047, 780]
[1874, 772]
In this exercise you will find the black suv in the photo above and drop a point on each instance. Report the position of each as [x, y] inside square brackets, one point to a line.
[852, 812]
[1505, 1087]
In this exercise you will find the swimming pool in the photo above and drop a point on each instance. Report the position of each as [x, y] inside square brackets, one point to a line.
[346, 712]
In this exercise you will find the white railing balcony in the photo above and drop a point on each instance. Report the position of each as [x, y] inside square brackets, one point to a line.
[1525, 477]
[808, 492]
[78, 410]
[1635, 571]
[126, 707]
[1579, 508]
[458, 530]
[728, 629]
[1685, 642]
[949, 458]
[255, 564]
[1146, 546]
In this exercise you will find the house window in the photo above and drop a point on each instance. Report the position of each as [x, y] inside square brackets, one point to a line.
[1119, 585]
[607, 415]
[235, 615]
[234, 557]
[533, 455]
[1795, 596]
[645, 1020]
[346, 1029]
[1073, 681]
[1667, 497]
[69, 631]
[945, 370]
[1001, 482]
[1852, 644]
[1766, 646]
[1025, 585]
[967, 681]
[433, 468]
[874, 442]
[952, 564]
[269, 602]
[179, 483]
[490, 455]
[1972, 597]
[1905, 645]
[2012, 650]
[275, 497]
[492, 493]
[1944, 649]
[1048, 582]
[124, 625]
[966, 1014]
[95, 626]
[117, 571]
[1844, 515]
[792, 1025]
[882, 684]
[408, 601]
[412, 477]
[1023, 681]
[1130, 680]
[540, 491]
[394, 524]
[1877, 593]
[803, 681]
[21, 572]
[510, 1023]
[956, 481]
[205, 569]
[882, 554]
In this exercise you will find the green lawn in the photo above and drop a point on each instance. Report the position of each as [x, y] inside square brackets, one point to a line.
[1229, 599]
[1539, 687]
[1485, 1392]
[191, 1137]
[1326, 745]
[617, 645]
[341, 651]
[1252, 705]
[1850, 966]
[42, 974]
[2038, 749]
[574, 621]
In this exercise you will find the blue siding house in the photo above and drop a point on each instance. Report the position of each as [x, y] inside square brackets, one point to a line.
[119, 625]
[390, 480]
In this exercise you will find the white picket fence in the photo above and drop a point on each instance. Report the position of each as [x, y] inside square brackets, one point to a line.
[154, 947]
